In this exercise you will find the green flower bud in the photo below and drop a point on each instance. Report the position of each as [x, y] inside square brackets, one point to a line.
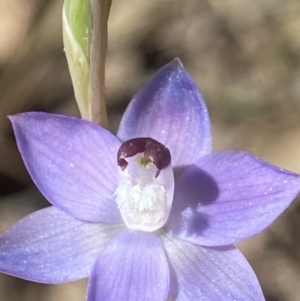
[76, 36]
[85, 42]
[78, 14]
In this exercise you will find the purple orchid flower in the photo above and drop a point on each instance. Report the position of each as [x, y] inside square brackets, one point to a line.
[178, 236]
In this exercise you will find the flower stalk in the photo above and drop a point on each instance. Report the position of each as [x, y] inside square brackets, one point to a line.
[85, 44]
[98, 51]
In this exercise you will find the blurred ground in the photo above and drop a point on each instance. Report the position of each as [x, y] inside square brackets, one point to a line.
[245, 56]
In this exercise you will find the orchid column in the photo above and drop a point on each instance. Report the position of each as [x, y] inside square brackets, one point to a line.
[85, 41]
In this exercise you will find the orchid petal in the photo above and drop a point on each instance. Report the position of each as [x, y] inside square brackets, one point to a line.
[132, 267]
[229, 196]
[50, 246]
[209, 274]
[72, 162]
[170, 109]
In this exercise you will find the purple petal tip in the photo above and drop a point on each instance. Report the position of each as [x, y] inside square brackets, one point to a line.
[11, 118]
[177, 62]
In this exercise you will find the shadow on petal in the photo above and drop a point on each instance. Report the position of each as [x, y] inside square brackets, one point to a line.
[194, 189]
[230, 196]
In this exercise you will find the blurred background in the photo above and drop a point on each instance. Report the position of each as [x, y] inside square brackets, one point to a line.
[243, 54]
